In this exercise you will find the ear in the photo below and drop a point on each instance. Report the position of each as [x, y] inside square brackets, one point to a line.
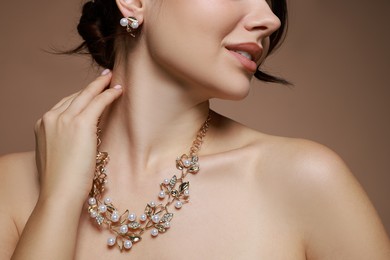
[133, 8]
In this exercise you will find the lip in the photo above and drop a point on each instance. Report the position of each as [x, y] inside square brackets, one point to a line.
[252, 48]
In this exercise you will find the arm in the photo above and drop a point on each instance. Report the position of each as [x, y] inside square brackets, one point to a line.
[65, 156]
[51, 230]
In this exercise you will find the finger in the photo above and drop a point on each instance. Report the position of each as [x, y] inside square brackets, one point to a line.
[65, 101]
[99, 103]
[81, 101]
[71, 97]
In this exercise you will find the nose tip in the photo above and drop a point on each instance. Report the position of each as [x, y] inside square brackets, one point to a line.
[263, 19]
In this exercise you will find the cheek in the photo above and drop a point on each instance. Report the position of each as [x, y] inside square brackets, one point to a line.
[180, 38]
[191, 29]
[187, 41]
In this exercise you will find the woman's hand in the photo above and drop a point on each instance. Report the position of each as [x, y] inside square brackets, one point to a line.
[66, 141]
[65, 156]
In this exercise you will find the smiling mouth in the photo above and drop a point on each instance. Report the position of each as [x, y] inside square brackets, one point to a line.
[245, 54]
[244, 59]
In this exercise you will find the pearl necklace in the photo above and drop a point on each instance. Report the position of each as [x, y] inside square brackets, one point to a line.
[125, 227]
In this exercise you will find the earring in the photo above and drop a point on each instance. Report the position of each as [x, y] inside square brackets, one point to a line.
[131, 24]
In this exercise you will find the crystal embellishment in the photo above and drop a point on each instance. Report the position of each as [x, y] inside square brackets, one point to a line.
[156, 217]
[99, 219]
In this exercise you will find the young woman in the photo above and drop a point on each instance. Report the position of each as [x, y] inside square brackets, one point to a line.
[234, 194]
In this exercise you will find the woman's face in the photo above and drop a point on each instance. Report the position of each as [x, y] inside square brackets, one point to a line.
[212, 45]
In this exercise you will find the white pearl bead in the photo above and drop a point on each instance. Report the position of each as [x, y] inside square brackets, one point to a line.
[134, 25]
[178, 204]
[124, 22]
[132, 217]
[107, 201]
[167, 224]
[102, 208]
[127, 244]
[156, 218]
[186, 193]
[123, 229]
[161, 195]
[154, 232]
[166, 181]
[143, 217]
[92, 201]
[93, 214]
[111, 241]
[114, 217]
[152, 204]
[187, 163]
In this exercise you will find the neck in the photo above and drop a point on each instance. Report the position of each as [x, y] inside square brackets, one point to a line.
[155, 119]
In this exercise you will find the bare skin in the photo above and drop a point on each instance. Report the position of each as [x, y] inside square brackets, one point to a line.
[262, 197]
[256, 197]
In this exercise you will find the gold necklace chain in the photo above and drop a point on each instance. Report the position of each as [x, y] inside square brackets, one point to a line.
[126, 228]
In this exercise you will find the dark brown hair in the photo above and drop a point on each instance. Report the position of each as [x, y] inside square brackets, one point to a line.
[279, 7]
[99, 27]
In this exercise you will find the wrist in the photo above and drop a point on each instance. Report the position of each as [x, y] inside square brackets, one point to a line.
[65, 202]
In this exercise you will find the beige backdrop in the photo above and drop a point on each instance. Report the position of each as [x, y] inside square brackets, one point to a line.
[336, 54]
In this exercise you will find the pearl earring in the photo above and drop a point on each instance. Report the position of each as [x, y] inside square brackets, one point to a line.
[131, 24]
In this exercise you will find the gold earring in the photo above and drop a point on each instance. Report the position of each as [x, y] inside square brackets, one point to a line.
[131, 24]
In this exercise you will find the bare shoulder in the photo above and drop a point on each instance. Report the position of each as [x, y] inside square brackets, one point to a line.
[18, 170]
[323, 198]
[304, 170]
[304, 159]
[19, 185]
[23, 160]
[313, 190]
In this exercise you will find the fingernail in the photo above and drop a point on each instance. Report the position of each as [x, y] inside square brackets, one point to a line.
[117, 87]
[105, 72]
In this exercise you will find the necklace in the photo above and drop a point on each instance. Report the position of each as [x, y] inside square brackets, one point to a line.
[126, 228]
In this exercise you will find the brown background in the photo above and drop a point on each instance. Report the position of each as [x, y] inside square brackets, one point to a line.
[336, 54]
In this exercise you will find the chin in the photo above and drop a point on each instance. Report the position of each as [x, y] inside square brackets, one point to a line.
[233, 82]
[237, 87]
[236, 95]
[230, 89]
